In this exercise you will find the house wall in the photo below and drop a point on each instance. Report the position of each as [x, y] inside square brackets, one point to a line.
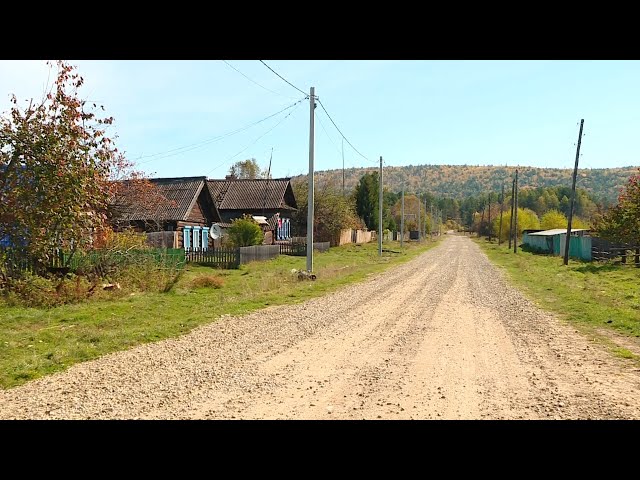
[228, 215]
[203, 211]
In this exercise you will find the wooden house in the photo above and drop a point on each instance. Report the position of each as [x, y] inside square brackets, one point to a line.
[176, 213]
[271, 198]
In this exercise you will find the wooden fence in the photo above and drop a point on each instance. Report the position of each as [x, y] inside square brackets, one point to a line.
[300, 249]
[14, 262]
[620, 253]
[215, 257]
[295, 249]
[258, 252]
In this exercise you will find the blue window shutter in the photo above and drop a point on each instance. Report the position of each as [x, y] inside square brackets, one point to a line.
[196, 237]
[186, 231]
[205, 238]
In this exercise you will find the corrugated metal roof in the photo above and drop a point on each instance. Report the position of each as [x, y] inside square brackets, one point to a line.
[176, 197]
[245, 194]
[557, 231]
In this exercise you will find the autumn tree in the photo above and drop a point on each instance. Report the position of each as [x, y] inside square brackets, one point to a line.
[553, 219]
[333, 212]
[527, 220]
[622, 222]
[57, 167]
[411, 206]
[247, 169]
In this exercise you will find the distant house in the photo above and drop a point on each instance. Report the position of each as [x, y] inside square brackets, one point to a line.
[271, 198]
[182, 206]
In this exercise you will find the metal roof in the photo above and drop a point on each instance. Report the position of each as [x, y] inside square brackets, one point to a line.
[557, 231]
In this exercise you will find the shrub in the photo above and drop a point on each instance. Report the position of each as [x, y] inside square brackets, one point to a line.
[245, 232]
[207, 281]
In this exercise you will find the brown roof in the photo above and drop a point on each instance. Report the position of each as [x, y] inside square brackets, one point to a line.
[244, 194]
[176, 198]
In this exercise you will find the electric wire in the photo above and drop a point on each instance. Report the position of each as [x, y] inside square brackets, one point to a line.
[202, 143]
[284, 78]
[346, 139]
[253, 81]
[252, 143]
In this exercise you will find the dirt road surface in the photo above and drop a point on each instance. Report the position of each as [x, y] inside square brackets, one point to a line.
[440, 337]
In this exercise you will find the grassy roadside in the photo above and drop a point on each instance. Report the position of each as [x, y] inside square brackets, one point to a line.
[599, 299]
[35, 342]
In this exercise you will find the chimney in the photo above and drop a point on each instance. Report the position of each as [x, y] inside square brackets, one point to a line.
[230, 177]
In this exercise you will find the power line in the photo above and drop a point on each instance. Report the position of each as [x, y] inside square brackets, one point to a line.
[284, 78]
[329, 137]
[252, 143]
[253, 81]
[347, 140]
[202, 143]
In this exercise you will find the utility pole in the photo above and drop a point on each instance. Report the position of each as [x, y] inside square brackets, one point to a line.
[573, 197]
[501, 208]
[432, 222]
[513, 199]
[419, 230]
[312, 106]
[402, 219]
[515, 220]
[489, 216]
[379, 208]
[343, 168]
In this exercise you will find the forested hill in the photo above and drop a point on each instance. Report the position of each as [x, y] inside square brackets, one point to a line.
[460, 181]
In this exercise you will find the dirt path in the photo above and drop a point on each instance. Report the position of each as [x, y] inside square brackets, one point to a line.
[441, 337]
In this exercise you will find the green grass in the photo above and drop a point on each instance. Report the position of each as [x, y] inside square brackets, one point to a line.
[594, 297]
[35, 342]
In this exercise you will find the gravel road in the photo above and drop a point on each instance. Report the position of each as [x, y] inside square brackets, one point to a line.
[440, 337]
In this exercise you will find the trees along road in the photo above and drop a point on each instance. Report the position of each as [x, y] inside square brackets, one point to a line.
[440, 337]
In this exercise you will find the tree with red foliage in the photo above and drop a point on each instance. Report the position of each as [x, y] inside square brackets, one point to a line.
[622, 222]
[57, 170]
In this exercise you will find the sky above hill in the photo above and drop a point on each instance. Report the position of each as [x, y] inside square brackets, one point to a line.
[187, 118]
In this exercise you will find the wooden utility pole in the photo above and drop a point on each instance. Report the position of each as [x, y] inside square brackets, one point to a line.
[432, 223]
[513, 199]
[380, 206]
[515, 219]
[501, 208]
[573, 197]
[425, 218]
[312, 103]
[419, 229]
[402, 219]
[489, 216]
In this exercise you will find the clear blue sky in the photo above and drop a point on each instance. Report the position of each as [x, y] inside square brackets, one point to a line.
[410, 112]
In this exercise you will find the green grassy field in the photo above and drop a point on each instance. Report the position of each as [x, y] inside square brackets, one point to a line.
[594, 297]
[35, 342]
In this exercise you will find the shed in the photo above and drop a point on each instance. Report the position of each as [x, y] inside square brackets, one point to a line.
[552, 242]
